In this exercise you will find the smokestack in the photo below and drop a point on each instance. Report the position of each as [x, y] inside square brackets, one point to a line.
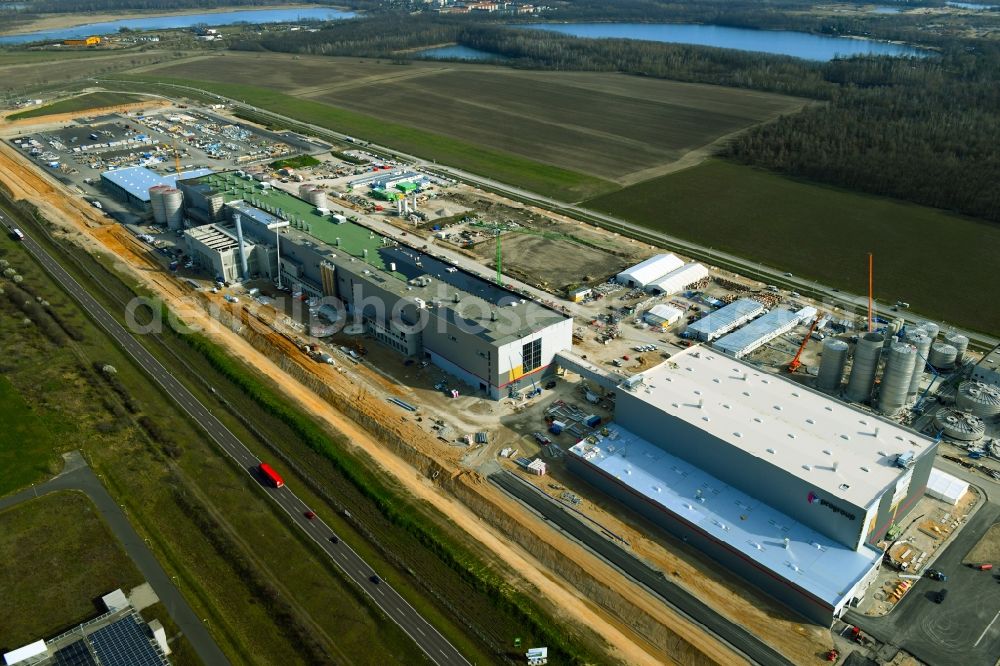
[243, 250]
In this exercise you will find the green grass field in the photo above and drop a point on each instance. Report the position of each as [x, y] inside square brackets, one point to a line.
[299, 162]
[943, 264]
[507, 167]
[80, 103]
[30, 439]
[609, 126]
[43, 543]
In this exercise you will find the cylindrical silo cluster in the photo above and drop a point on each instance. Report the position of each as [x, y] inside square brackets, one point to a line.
[313, 194]
[866, 357]
[156, 203]
[983, 400]
[895, 385]
[959, 426]
[931, 328]
[959, 342]
[942, 356]
[831, 366]
[918, 338]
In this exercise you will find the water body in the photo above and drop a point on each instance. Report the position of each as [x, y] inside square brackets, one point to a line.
[457, 52]
[971, 5]
[886, 10]
[182, 21]
[779, 42]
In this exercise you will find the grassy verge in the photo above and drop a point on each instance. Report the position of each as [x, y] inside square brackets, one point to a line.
[506, 167]
[42, 543]
[148, 467]
[299, 162]
[941, 263]
[533, 625]
[80, 103]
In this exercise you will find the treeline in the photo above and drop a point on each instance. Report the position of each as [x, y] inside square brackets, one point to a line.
[377, 37]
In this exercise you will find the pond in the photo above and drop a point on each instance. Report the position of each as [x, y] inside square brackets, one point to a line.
[779, 42]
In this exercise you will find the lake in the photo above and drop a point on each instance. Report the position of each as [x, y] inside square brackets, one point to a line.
[182, 21]
[457, 52]
[779, 42]
[971, 5]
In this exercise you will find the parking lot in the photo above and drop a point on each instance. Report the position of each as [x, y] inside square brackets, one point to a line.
[965, 627]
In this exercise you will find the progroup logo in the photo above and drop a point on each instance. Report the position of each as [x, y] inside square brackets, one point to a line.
[812, 497]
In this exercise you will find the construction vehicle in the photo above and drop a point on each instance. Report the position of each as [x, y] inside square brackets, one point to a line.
[796, 362]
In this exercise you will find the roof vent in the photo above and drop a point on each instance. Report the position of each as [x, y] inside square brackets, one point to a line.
[865, 469]
[769, 450]
[827, 452]
[807, 467]
[844, 486]
[737, 434]
[846, 436]
[811, 421]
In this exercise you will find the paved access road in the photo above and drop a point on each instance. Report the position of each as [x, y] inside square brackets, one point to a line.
[738, 638]
[436, 646]
[78, 476]
[965, 628]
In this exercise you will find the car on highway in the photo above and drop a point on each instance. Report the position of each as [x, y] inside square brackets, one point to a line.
[310, 514]
[787, 274]
[334, 539]
[940, 596]
[375, 579]
[935, 574]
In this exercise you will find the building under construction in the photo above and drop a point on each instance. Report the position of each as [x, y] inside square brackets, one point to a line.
[489, 337]
[782, 485]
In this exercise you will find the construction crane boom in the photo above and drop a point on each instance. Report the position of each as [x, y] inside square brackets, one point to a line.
[794, 365]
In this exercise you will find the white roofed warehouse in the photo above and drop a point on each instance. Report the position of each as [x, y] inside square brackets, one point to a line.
[782, 485]
[648, 271]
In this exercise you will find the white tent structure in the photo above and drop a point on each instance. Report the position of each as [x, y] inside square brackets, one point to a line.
[945, 487]
[662, 315]
[652, 269]
[676, 280]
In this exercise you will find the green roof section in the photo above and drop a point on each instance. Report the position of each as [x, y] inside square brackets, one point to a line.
[354, 239]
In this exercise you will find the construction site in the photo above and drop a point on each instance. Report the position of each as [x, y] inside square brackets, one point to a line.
[515, 345]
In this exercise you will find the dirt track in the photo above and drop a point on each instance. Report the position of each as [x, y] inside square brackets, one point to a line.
[90, 229]
[59, 118]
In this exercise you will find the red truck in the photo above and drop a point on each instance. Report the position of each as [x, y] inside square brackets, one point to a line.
[271, 475]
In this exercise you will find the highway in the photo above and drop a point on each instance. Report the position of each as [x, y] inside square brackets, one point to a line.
[732, 634]
[433, 644]
[77, 475]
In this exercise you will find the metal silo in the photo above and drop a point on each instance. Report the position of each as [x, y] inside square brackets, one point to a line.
[866, 357]
[931, 328]
[173, 207]
[919, 339]
[831, 366]
[304, 191]
[896, 377]
[959, 342]
[156, 203]
[942, 356]
[959, 425]
[317, 198]
[981, 399]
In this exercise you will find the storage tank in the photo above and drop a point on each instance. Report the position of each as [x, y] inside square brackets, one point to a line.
[304, 190]
[959, 342]
[918, 338]
[317, 198]
[896, 377]
[959, 426]
[831, 366]
[866, 357]
[173, 207]
[942, 356]
[931, 328]
[981, 399]
[156, 203]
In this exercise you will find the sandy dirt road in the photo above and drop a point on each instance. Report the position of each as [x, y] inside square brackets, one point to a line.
[90, 229]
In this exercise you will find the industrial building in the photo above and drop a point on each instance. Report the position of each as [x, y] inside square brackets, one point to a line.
[781, 484]
[987, 370]
[649, 270]
[678, 280]
[487, 336]
[662, 315]
[725, 319]
[118, 637]
[132, 184]
[759, 332]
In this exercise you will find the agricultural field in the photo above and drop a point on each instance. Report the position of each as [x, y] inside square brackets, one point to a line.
[23, 71]
[42, 544]
[609, 126]
[942, 263]
[80, 103]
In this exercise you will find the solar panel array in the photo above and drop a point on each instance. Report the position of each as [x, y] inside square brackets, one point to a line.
[126, 643]
[74, 654]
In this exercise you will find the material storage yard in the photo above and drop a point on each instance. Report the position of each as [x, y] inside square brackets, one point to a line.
[430, 414]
